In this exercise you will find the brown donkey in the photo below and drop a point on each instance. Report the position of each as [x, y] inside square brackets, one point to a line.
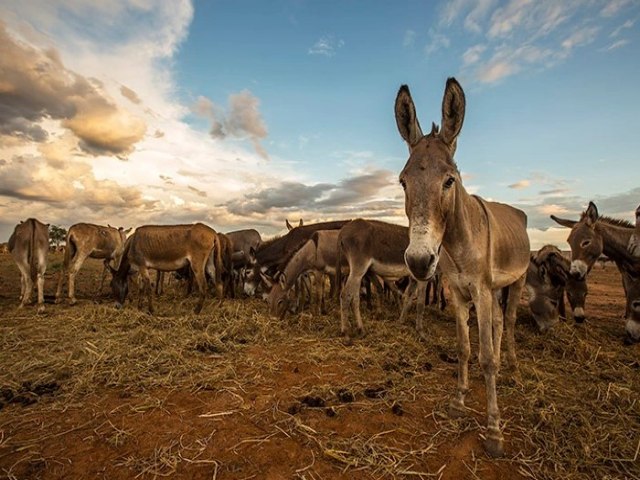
[86, 240]
[29, 245]
[593, 235]
[482, 246]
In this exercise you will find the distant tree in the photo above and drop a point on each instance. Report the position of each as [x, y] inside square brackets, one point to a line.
[57, 235]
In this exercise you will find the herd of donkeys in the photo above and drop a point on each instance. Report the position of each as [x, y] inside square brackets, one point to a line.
[479, 248]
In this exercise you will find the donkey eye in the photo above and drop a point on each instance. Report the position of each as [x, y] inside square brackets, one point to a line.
[403, 183]
[585, 243]
[449, 182]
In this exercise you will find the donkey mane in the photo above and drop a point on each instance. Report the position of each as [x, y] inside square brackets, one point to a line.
[615, 222]
[291, 253]
[268, 243]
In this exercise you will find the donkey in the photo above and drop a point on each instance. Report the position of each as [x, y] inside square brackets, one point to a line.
[86, 240]
[483, 246]
[29, 245]
[547, 281]
[169, 248]
[242, 242]
[371, 246]
[318, 255]
[268, 258]
[593, 235]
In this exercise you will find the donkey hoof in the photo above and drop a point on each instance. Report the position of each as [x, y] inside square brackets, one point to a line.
[40, 309]
[494, 446]
[57, 301]
[72, 301]
[456, 410]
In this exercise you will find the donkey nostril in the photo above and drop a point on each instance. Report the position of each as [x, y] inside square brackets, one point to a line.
[635, 304]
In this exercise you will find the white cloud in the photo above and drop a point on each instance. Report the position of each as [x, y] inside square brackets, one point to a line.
[437, 41]
[326, 46]
[617, 44]
[612, 7]
[524, 35]
[472, 54]
[519, 185]
[624, 26]
[409, 38]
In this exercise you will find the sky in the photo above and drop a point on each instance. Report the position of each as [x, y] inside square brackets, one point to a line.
[242, 114]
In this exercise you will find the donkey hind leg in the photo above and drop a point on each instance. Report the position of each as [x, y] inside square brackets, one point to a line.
[42, 267]
[515, 291]
[461, 307]
[26, 284]
[198, 269]
[489, 313]
[74, 268]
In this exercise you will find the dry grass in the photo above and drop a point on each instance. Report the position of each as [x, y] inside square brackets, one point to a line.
[573, 412]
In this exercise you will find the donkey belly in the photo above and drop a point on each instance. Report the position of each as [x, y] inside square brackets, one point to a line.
[389, 270]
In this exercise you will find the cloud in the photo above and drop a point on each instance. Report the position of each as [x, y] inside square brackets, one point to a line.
[200, 193]
[437, 41]
[520, 184]
[242, 119]
[323, 198]
[130, 95]
[409, 38]
[523, 35]
[613, 7]
[326, 46]
[472, 54]
[624, 26]
[615, 45]
[68, 186]
[35, 86]
[579, 38]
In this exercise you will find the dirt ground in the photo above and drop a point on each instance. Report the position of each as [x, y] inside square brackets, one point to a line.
[88, 391]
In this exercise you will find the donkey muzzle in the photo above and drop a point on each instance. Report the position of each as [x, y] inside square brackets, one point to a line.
[422, 267]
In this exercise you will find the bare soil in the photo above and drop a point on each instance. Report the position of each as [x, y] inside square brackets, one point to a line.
[88, 391]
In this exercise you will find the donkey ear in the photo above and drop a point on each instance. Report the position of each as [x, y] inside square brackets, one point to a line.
[301, 223]
[591, 215]
[268, 281]
[289, 226]
[406, 118]
[563, 221]
[453, 107]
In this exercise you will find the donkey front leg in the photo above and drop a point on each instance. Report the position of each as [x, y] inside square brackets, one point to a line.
[461, 307]
[488, 308]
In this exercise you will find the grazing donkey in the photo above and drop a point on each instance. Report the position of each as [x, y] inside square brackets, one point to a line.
[371, 246]
[547, 281]
[86, 240]
[29, 245]
[482, 246]
[318, 255]
[593, 235]
[268, 258]
[169, 248]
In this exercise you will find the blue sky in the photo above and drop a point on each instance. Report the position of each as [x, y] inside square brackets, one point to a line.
[246, 113]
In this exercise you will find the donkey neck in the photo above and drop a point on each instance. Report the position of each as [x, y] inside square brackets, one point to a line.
[299, 263]
[615, 240]
[460, 239]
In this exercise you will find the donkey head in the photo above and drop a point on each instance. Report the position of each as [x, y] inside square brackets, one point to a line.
[430, 177]
[585, 242]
